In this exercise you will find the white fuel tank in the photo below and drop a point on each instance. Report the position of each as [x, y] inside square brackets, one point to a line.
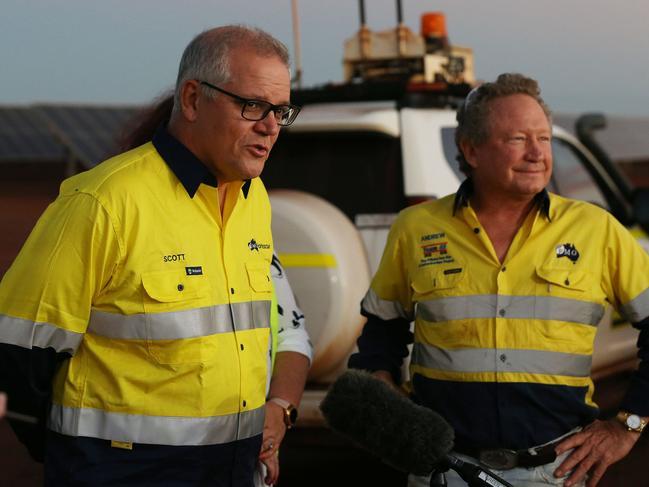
[327, 266]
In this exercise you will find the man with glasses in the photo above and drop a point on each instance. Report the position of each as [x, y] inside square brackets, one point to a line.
[135, 320]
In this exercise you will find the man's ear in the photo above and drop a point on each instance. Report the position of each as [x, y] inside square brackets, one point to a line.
[469, 152]
[189, 99]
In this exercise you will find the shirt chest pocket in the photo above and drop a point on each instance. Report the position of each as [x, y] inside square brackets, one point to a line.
[177, 323]
[261, 293]
[437, 282]
[571, 283]
[259, 278]
[565, 294]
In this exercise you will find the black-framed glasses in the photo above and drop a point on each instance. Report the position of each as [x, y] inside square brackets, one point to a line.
[255, 110]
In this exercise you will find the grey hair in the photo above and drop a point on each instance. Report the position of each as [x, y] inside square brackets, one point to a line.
[473, 115]
[207, 56]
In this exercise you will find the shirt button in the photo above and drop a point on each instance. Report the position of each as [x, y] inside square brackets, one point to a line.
[476, 230]
[567, 282]
[501, 312]
[244, 404]
[503, 269]
[242, 346]
[180, 287]
[231, 290]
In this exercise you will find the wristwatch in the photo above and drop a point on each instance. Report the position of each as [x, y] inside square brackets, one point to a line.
[290, 411]
[633, 422]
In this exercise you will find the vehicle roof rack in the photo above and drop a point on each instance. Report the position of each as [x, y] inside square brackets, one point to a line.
[404, 93]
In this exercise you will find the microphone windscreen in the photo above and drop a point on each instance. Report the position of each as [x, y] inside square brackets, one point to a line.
[409, 437]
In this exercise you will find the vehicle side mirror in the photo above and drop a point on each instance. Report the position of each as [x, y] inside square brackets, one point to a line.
[641, 207]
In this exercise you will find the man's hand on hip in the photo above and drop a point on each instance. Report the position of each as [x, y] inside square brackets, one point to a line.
[596, 447]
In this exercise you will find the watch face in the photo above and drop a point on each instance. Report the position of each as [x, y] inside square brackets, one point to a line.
[293, 416]
[633, 421]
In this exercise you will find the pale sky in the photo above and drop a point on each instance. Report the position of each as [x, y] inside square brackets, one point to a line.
[589, 55]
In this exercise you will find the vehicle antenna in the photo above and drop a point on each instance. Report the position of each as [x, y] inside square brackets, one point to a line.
[363, 32]
[402, 33]
[297, 78]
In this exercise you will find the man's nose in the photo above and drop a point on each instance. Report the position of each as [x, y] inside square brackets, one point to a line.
[268, 125]
[535, 150]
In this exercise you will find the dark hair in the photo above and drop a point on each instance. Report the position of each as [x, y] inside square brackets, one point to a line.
[473, 115]
[141, 128]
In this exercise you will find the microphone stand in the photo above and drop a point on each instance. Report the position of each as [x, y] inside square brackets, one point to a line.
[437, 478]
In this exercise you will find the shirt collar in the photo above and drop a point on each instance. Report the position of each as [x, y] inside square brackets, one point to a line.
[465, 191]
[189, 170]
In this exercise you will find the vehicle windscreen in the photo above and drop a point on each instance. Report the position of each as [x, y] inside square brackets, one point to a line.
[359, 172]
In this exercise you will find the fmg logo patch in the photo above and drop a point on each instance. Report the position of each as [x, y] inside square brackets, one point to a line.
[435, 248]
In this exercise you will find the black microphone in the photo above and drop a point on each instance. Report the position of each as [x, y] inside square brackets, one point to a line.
[409, 437]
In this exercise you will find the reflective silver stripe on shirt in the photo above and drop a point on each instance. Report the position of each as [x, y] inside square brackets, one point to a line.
[189, 323]
[501, 306]
[156, 430]
[637, 309]
[29, 334]
[384, 309]
[502, 360]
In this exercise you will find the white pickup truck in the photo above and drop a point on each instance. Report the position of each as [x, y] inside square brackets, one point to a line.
[338, 178]
[363, 150]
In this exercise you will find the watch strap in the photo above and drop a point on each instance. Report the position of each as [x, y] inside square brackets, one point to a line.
[290, 411]
[281, 402]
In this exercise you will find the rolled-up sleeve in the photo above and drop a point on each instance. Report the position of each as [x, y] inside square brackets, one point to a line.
[627, 285]
[387, 305]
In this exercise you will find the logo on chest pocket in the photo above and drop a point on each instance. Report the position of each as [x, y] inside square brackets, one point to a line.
[568, 250]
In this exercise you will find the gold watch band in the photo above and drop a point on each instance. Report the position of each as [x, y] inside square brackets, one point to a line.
[631, 421]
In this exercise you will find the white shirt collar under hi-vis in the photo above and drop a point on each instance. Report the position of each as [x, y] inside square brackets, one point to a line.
[163, 304]
[498, 343]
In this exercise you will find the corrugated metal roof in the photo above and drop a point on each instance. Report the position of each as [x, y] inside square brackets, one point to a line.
[49, 132]
[90, 132]
[24, 136]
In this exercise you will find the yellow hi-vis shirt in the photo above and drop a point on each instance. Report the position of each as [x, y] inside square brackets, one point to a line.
[163, 304]
[503, 350]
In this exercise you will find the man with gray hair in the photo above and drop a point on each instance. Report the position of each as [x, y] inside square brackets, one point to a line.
[506, 284]
[135, 320]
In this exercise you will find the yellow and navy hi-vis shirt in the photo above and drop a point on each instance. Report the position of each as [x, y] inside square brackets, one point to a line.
[162, 304]
[503, 350]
